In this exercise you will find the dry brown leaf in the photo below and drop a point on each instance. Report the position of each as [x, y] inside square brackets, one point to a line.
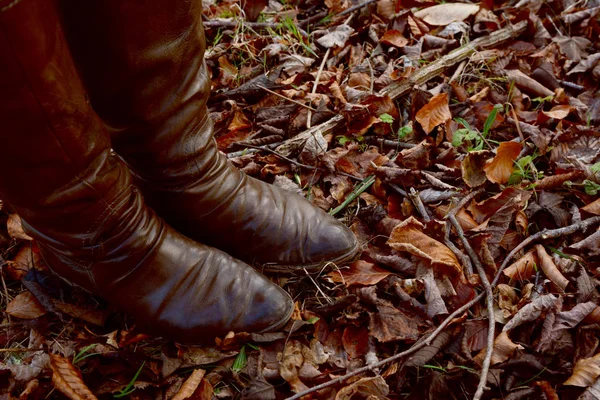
[550, 269]
[15, 228]
[68, 380]
[444, 14]
[25, 306]
[370, 388]
[593, 207]
[503, 350]
[292, 360]
[96, 317]
[472, 167]
[190, 385]
[532, 310]
[408, 236]
[585, 372]
[502, 166]
[528, 84]
[360, 272]
[434, 113]
[554, 181]
[394, 38]
[558, 112]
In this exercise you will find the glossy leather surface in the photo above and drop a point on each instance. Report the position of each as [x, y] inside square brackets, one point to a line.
[147, 80]
[92, 225]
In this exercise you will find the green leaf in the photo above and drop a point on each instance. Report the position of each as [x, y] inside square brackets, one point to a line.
[590, 187]
[82, 356]
[490, 120]
[459, 136]
[404, 131]
[463, 122]
[387, 118]
[343, 139]
[595, 168]
[240, 361]
[129, 388]
[313, 320]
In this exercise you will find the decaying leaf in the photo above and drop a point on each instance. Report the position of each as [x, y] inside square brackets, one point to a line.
[434, 113]
[291, 362]
[190, 385]
[593, 207]
[394, 38]
[372, 388]
[502, 165]
[25, 306]
[472, 167]
[68, 380]
[444, 14]
[532, 311]
[337, 37]
[585, 372]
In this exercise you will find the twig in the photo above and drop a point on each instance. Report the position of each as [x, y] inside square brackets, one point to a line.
[287, 98]
[253, 150]
[252, 25]
[466, 261]
[416, 200]
[394, 143]
[356, 7]
[316, 84]
[547, 234]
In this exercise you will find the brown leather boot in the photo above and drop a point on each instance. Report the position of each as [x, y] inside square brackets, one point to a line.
[142, 63]
[78, 202]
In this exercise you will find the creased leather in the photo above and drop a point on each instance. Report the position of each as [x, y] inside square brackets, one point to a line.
[147, 80]
[92, 225]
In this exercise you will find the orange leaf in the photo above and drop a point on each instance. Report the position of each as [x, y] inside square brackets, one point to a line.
[558, 112]
[502, 166]
[25, 306]
[550, 269]
[68, 380]
[190, 385]
[408, 236]
[394, 38]
[360, 273]
[434, 113]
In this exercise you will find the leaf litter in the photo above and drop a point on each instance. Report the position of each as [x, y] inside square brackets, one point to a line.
[414, 135]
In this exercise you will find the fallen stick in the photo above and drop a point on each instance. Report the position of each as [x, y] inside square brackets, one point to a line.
[543, 235]
[420, 76]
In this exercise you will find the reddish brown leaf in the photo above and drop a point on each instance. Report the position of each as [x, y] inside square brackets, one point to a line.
[523, 268]
[434, 113]
[472, 167]
[25, 306]
[360, 272]
[502, 166]
[593, 207]
[68, 380]
[550, 269]
[558, 112]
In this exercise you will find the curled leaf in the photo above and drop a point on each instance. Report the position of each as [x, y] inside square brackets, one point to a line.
[190, 385]
[444, 14]
[434, 113]
[550, 269]
[503, 350]
[15, 228]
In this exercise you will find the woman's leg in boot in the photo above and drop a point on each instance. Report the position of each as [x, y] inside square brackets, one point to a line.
[142, 63]
[78, 202]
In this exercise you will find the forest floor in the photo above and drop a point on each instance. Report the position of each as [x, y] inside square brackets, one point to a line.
[459, 142]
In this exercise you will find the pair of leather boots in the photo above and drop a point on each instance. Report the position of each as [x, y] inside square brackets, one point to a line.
[79, 78]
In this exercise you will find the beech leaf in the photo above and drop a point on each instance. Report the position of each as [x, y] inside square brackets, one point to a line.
[444, 14]
[502, 166]
[190, 385]
[360, 272]
[434, 113]
[532, 311]
[67, 379]
[585, 372]
[550, 269]
[503, 350]
[25, 306]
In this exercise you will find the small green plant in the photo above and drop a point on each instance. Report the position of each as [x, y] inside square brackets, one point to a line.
[127, 390]
[525, 170]
[471, 136]
[82, 354]
[240, 361]
[289, 25]
[590, 187]
[542, 100]
[402, 132]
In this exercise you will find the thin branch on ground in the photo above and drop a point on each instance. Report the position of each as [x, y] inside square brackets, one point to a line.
[416, 200]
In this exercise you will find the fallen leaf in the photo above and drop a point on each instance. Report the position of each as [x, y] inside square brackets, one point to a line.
[444, 14]
[550, 269]
[394, 38]
[503, 350]
[593, 207]
[291, 362]
[67, 379]
[558, 112]
[408, 236]
[572, 47]
[434, 113]
[502, 165]
[360, 272]
[337, 37]
[371, 388]
[15, 228]
[532, 311]
[585, 372]
[25, 306]
[190, 385]
[472, 167]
